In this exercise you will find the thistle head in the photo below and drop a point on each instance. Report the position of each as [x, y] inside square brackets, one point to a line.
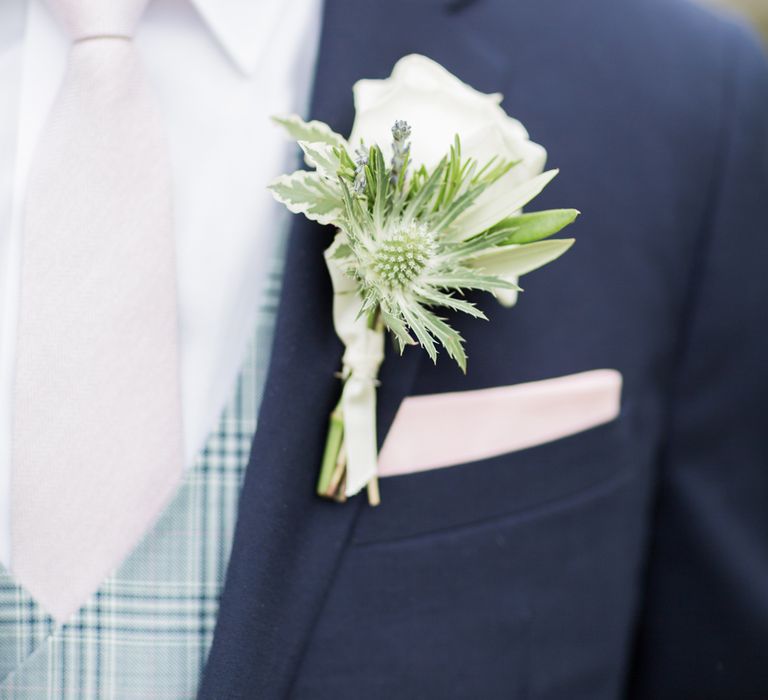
[402, 255]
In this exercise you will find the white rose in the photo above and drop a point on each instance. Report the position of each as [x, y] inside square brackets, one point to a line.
[438, 105]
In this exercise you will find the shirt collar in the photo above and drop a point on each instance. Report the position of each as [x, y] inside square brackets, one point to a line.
[244, 27]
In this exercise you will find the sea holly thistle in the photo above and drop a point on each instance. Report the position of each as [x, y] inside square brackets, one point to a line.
[412, 240]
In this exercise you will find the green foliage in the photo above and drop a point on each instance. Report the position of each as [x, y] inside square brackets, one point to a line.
[416, 239]
[311, 132]
[516, 260]
[323, 157]
[309, 194]
[528, 228]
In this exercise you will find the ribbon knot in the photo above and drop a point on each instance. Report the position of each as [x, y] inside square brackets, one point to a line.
[363, 358]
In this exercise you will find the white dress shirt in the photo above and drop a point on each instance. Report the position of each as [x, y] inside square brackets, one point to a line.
[219, 68]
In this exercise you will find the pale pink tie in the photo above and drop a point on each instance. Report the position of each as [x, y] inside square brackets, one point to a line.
[97, 418]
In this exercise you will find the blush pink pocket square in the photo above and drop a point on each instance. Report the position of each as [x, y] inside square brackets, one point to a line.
[442, 430]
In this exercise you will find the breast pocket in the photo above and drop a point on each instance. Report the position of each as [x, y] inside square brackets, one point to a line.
[452, 587]
[422, 494]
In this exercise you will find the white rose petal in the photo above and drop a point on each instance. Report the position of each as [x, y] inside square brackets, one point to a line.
[438, 105]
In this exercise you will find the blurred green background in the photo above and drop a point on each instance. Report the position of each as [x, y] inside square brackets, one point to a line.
[756, 10]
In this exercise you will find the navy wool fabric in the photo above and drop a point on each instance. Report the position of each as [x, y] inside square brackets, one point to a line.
[628, 561]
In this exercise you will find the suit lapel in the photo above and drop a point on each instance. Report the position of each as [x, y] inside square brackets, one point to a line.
[288, 542]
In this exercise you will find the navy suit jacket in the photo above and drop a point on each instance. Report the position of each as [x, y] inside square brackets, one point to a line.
[630, 560]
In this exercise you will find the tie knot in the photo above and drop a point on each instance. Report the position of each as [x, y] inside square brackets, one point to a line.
[90, 19]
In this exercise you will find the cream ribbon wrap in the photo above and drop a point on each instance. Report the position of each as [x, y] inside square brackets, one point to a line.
[363, 355]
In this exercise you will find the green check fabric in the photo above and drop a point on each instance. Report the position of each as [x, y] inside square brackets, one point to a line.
[146, 633]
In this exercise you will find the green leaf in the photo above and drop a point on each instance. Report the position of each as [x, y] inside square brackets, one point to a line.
[321, 156]
[478, 244]
[358, 218]
[499, 201]
[313, 132]
[424, 195]
[421, 333]
[518, 260]
[398, 329]
[308, 193]
[528, 228]
[444, 217]
[450, 339]
[342, 252]
[494, 169]
[470, 279]
[380, 183]
[347, 165]
[435, 297]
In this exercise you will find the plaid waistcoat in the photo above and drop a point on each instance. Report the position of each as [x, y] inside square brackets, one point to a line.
[146, 633]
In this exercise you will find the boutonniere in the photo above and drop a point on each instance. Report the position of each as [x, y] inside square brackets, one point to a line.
[426, 199]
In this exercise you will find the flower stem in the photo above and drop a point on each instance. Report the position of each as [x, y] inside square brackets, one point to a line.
[338, 478]
[374, 498]
[333, 447]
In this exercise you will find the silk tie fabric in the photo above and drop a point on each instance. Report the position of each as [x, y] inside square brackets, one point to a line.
[97, 449]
